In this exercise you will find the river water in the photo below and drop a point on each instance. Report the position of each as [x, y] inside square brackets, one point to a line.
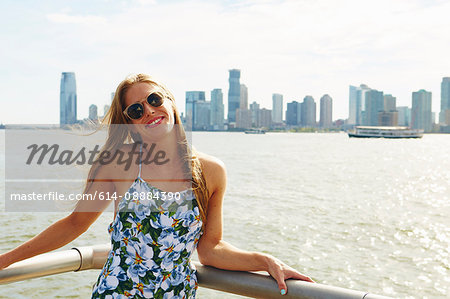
[367, 214]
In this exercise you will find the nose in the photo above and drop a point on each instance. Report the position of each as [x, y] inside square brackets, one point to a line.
[149, 109]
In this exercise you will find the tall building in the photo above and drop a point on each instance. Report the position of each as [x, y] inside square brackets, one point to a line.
[421, 110]
[93, 115]
[326, 112]
[277, 108]
[308, 112]
[294, 113]
[217, 109]
[202, 112]
[374, 104]
[243, 118]
[244, 97]
[254, 108]
[234, 94]
[357, 96]
[445, 101]
[192, 97]
[404, 116]
[264, 118]
[68, 99]
[390, 103]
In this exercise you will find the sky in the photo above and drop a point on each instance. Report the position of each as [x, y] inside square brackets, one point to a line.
[295, 48]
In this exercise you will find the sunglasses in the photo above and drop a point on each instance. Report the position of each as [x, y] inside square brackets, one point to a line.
[136, 111]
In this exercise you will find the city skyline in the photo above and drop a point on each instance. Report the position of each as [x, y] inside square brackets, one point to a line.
[308, 48]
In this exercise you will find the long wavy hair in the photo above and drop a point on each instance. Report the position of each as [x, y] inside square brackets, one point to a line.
[118, 136]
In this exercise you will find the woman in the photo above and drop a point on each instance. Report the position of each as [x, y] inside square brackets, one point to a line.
[154, 232]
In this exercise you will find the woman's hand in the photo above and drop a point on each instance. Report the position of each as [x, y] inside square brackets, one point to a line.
[280, 272]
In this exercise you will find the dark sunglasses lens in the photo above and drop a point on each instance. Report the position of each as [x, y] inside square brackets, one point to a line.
[135, 111]
[155, 100]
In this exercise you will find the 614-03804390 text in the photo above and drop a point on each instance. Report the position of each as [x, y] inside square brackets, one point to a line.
[56, 196]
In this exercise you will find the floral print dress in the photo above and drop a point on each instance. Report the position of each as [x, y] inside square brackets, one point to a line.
[153, 237]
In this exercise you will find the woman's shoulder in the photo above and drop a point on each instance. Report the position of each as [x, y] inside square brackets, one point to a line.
[210, 163]
[214, 171]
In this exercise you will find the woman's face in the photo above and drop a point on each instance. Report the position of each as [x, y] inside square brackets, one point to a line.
[155, 120]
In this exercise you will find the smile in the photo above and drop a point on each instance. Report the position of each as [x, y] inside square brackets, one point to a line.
[154, 122]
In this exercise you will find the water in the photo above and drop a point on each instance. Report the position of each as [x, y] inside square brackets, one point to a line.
[367, 214]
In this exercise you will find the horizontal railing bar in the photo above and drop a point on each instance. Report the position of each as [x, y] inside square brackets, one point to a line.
[242, 283]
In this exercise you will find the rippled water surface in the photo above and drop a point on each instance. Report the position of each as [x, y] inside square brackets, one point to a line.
[366, 214]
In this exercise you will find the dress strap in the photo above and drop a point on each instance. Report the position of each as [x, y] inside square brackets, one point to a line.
[140, 161]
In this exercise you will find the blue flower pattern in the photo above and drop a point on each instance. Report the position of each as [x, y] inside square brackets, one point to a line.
[152, 242]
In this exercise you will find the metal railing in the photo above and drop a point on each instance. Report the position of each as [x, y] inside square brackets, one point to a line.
[236, 282]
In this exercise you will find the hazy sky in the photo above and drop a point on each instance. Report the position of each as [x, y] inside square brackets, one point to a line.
[296, 48]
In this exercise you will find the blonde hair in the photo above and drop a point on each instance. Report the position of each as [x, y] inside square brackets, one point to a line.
[117, 136]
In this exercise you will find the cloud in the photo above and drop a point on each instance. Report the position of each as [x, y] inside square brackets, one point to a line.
[87, 20]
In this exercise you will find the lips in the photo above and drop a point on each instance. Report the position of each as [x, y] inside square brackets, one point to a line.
[154, 122]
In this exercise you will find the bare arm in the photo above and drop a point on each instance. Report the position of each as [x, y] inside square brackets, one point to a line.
[214, 251]
[63, 231]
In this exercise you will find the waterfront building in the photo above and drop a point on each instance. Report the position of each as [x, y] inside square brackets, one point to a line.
[326, 112]
[277, 108]
[445, 101]
[68, 99]
[421, 110]
[390, 103]
[217, 109]
[264, 118]
[192, 97]
[374, 104]
[244, 97]
[93, 115]
[243, 118]
[254, 108]
[357, 96]
[308, 112]
[293, 113]
[234, 94]
[404, 116]
[202, 112]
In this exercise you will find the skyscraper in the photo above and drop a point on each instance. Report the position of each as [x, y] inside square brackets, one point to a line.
[68, 99]
[421, 110]
[277, 108]
[244, 97]
[191, 98]
[93, 115]
[326, 112]
[254, 108]
[294, 113]
[234, 93]
[374, 104]
[445, 101]
[202, 112]
[217, 112]
[404, 116]
[390, 103]
[308, 112]
[357, 96]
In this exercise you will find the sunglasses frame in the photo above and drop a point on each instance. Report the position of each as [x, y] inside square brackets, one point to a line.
[161, 95]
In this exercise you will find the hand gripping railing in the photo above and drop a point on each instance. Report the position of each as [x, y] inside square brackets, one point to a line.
[241, 283]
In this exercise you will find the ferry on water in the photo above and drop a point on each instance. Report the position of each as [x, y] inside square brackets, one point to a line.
[384, 132]
[255, 131]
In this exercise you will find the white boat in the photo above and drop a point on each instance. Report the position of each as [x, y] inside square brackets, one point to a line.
[385, 132]
[256, 131]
